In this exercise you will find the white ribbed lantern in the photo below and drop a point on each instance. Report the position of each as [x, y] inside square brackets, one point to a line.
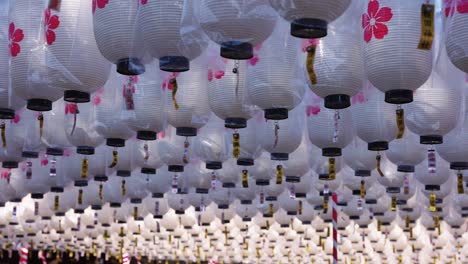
[274, 81]
[330, 130]
[374, 120]
[359, 158]
[309, 19]
[146, 116]
[117, 36]
[171, 32]
[227, 91]
[73, 51]
[436, 179]
[436, 107]
[187, 107]
[125, 158]
[147, 157]
[393, 61]
[114, 191]
[457, 35]
[297, 165]
[210, 145]
[173, 152]
[455, 149]
[53, 133]
[29, 70]
[230, 25]
[406, 152]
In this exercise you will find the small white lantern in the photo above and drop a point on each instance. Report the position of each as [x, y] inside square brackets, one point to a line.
[456, 14]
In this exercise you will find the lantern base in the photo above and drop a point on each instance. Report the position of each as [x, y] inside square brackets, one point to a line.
[174, 64]
[262, 182]
[229, 185]
[148, 171]
[85, 150]
[401, 202]
[342, 204]
[115, 205]
[271, 198]
[246, 219]
[405, 168]
[393, 190]
[309, 28]
[123, 173]
[6, 113]
[39, 105]
[57, 189]
[115, 142]
[432, 187]
[223, 206]
[101, 178]
[362, 173]
[236, 50]
[214, 165]
[78, 211]
[324, 177]
[371, 201]
[431, 139]
[30, 154]
[377, 146]
[186, 131]
[292, 179]
[37, 195]
[146, 135]
[337, 101]
[356, 192]
[10, 164]
[245, 162]
[276, 113]
[331, 152]
[201, 191]
[245, 202]
[54, 151]
[279, 156]
[354, 217]
[175, 168]
[235, 123]
[81, 183]
[157, 195]
[135, 201]
[399, 96]
[459, 165]
[130, 66]
[74, 96]
[157, 216]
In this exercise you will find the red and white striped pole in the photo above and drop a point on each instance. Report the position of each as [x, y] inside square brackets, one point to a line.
[42, 257]
[335, 226]
[125, 258]
[23, 254]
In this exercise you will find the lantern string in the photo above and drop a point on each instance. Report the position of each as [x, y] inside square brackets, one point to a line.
[3, 131]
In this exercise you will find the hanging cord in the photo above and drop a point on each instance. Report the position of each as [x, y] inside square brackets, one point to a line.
[277, 127]
[40, 118]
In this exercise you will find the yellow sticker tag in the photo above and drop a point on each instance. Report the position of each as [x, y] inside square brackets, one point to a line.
[84, 168]
[311, 50]
[279, 174]
[400, 120]
[460, 187]
[331, 169]
[427, 27]
[245, 179]
[432, 202]
[236, 145]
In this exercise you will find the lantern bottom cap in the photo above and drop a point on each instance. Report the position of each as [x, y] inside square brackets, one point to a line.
[78, 211]
[101, 178]
[81, 183]
[362, 173]
[54, 151]
[148, 171]
[393, 190]
[276, 113]
[293, 179]
[431, 139]
[40, 105]
[57, 189]
[235, 122]
[432, 187]
[115, 205]
[10, 164]
[174, 64]
[236, 50]
[130, 66]
[146, 135]
[331, 152]
[186, 131]
[175, 168]
[309, 28]
[123, 173]
[377, 146]
[279, 156]
[85, 150]
[245, 162]
[96, 207]
[337, 101]
[115, 142]
[262, 182]
[399, 96]
[229, 185]
[405, 168]
[6, 113]
[37, 195]
[459, 165]
[74, 96]
[30, 154]
[214, 165]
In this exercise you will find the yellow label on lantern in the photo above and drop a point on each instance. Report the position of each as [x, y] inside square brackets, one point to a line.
[400, 120]
[270, 209]
[236, 145]
[115, 159]
[299, 209]
[331, 169]
[279, 174]
[56, 202]
[84, 168]
[245, 179]
[3, 129]
[311, 50]
[80, 196]
[394, 204]
[379, 170]
[362, 190]
[460, 186]
[175, 86]
[135, 212]
[432, 202]
[325, 205]
[427, 27]
[407, 221]
[123, 188]
[379, 225]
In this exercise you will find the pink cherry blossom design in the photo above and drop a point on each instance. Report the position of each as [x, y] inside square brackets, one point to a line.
[144, 2]
[99, 4]
[5, 174]
[44, 162]
[359, 98]
[253, 61]
[71, 108]
[96, 100]
[162, 134]
[15, 37]
[215, 74]
[50, 23]
[166, 83]
[16, 120]
[373, 22]
[461, 6]
[309, 42]
[67, 153]
[312, 110]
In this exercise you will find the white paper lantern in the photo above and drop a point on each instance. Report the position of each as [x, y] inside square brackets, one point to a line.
[394, 63]
[433, 180]
[309, 19]
[29, 71]
[358, 158]
[174, 151]
[72, 50]
[171, 32]
[297, 165]
[117, 36]
[454, 149]
[114, 191]
[210, 145]
[455, 42]
[406, 152]
[230, 25]
[274, 81]
[53, 133]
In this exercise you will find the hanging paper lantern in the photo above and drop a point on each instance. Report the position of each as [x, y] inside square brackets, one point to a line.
[210, 145]
[398, 40]
[297, 166]
[160, 183]
[115, 191]
[358, 158]
[174, 150]
[230, 25]
[144, 104]
[73, 51]
[406, 152]
[189, 109]
[118, 38]
[274, 82]
[124, 163]
[432, 177]
[176, 43]
[374, 119]
[453, 149]
[310, 19]
[53, 132]
[455, 41]
[324, 167]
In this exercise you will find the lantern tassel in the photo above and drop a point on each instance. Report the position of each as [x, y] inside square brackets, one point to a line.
[379, 170]
[310, 64]
[56, 202]
[173, 82]
[299, 209]
[427, 27]
[400, 120]
[236, 145]
[3, 131]
[460, 187]
[115, 159]
[432, 202]
[331, 169]
[84, 168]
[279, 174]
[40, 118]
[362, 190]
[80, 196]
[123, 188]
[245, 179]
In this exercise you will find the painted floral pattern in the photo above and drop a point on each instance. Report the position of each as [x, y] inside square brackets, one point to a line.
[51, 22]
[451, 5]
[167, 81]
[100, 4]
[15, 36]
[312, 110]
[373, 22]
[212, 74]
[71, 108]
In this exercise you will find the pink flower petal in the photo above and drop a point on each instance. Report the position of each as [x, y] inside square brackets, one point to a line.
[384, 15]
[380, 30]
[373, 8]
